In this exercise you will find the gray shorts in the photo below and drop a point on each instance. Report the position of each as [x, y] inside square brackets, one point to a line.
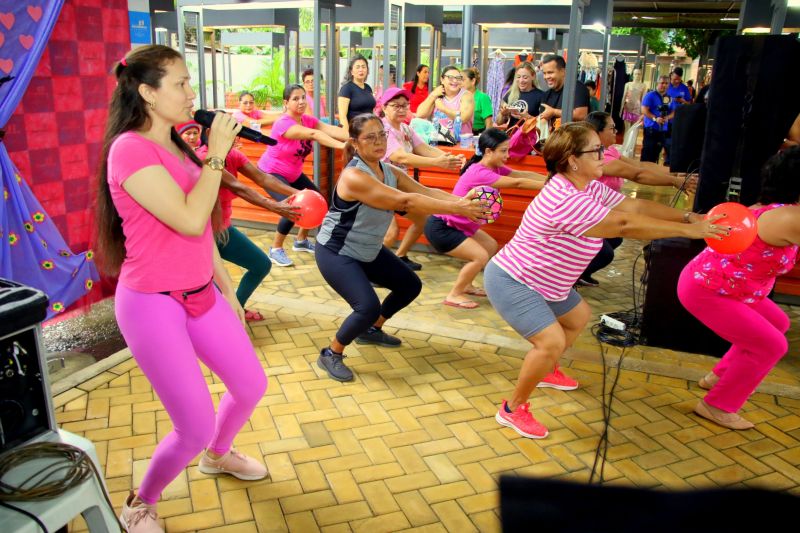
[523, 308]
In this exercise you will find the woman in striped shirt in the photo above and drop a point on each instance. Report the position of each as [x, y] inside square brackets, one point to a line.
[530, 280]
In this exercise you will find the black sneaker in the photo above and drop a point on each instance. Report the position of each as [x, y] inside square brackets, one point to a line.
[333, 364]
[587, 281]
[376, 336]
[413, 265]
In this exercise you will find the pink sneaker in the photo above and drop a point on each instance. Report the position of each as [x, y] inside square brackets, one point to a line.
[141, 518]
[235, 464]
[558, 380]
[521, 421]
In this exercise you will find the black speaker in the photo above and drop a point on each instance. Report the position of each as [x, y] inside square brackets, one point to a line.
[665, 322]
[531, 504]
[26, 411]
[688, 128]
[755, 83]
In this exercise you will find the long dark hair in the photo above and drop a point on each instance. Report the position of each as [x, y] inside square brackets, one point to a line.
[355, 128]
[779, 178]
[128, 112]
[348, 76]
[489, 139]
[416, 78]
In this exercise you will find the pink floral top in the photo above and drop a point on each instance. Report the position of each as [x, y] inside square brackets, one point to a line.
[748, 276]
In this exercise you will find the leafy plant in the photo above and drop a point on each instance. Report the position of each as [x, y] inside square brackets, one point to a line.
[657, 40]
[269, 84]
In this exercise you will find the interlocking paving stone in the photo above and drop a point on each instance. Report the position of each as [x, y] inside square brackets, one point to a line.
[412, 443]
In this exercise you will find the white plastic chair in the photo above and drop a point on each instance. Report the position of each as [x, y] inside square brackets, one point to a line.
[87, 499]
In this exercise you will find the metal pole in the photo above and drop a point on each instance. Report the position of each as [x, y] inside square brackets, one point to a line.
[287, 65]
[201, 60]
[778, 16]
[332, 63]
[573, 49]
[297, 55]
[181, 30]
[401, 32]
[484, 56]
[317, 73]
[214, 97]
[603, 80]
[230, 69]
[387, 30]
[466, 37]
[432, 60]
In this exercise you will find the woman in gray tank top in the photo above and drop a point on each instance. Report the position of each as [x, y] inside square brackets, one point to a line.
[350, 252]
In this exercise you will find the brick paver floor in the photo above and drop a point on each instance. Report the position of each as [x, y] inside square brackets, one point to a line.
[412, 444]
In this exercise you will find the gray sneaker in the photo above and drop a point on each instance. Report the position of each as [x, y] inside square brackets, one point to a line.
[303, 246]
[333, 364]
[376, 336]
[278, 257]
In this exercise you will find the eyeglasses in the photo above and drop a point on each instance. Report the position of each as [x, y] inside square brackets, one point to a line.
[375, 138]
[399, 106]
[247, 102]
[612, 128]
[600, 150]
[453, 78]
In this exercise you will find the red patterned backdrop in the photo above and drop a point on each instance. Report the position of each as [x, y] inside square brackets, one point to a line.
[55, 135]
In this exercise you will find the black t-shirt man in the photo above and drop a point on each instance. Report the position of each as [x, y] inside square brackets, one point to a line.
[553, 97]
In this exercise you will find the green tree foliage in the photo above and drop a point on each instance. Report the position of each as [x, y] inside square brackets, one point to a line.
[656, 39]
[694, 42]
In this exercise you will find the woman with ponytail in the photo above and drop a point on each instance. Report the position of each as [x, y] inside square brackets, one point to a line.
[350, 252]
[459, 237]
[175, 302]
[295, 133]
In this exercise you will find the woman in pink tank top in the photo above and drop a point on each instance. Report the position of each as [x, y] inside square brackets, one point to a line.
[450, 100]
[728, 293]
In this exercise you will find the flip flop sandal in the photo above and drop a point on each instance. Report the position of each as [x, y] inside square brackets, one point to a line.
[253, 316]
[475, 291]
[461, 305]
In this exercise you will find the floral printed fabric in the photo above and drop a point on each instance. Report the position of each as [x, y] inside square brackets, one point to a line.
[748, 276]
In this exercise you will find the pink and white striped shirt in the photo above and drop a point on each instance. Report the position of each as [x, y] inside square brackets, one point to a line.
[549, 250]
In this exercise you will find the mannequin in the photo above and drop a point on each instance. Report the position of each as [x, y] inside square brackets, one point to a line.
[632, 99]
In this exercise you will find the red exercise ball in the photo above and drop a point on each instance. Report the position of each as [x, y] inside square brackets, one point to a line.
[313, 208]
[743, 228]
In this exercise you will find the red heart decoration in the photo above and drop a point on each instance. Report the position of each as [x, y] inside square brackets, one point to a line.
[26, 41]
[6, 65]
[2, 39]
[7, 20]
[35, 12]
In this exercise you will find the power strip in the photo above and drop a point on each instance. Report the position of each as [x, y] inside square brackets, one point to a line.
[612, 323]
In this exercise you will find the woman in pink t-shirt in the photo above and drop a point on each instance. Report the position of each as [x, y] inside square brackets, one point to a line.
[233, 245]
[175, 303]
[405, 148]
[460, 237]
[728, 293]
[295, 132]
[249, 113]
[529, 281]
[616, 169]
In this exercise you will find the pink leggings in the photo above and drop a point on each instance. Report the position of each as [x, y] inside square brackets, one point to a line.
[168, 345]
[757, 333]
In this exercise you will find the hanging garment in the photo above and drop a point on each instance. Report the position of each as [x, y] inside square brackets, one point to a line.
[522, 58]
[620, 79]
[495, 79]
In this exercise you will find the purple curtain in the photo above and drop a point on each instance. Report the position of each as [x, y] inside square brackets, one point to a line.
[32, 251]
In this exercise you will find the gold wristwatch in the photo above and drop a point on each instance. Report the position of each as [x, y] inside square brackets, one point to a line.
[214, 163]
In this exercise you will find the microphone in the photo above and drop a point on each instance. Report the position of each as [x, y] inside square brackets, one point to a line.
[205, 118]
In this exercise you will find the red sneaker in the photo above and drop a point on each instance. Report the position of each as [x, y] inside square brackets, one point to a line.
[521, 421]
[558, 380]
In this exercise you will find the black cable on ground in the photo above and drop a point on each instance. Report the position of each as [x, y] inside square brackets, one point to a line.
[70, 468]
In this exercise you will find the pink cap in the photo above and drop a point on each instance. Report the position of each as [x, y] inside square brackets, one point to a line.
[180, 128]
[392, 93]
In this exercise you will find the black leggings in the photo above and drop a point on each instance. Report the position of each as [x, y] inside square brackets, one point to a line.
[351, 279]
[286, 225]
[603, 257]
